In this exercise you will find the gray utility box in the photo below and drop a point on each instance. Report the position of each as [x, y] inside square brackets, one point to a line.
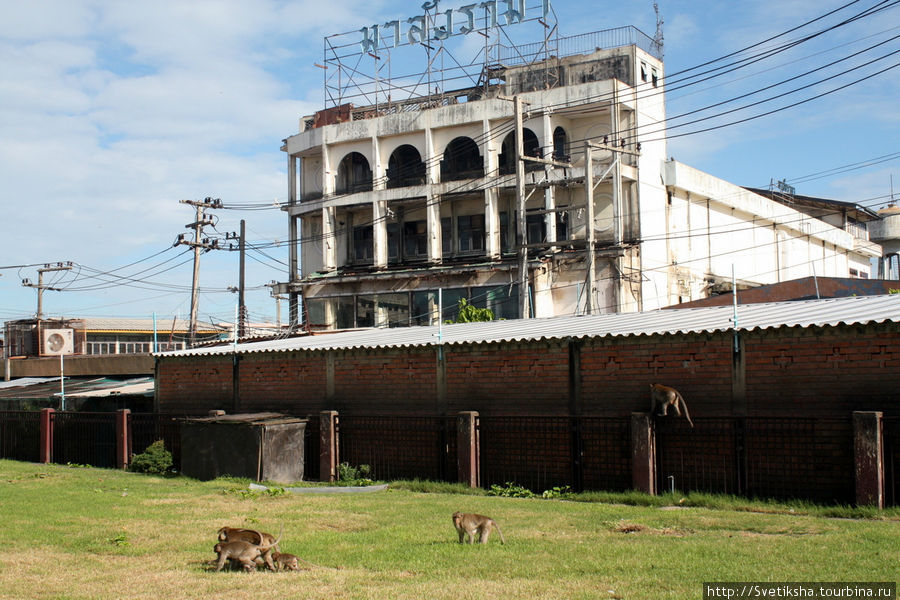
[260, 446]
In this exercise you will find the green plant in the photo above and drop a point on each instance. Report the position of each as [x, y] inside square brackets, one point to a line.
[510, 490]
[155, 460]
[557, 492]
[119, 540]
[354, 475]
[469, 313]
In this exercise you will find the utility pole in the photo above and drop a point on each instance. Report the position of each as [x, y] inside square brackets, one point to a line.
[520, 213]
[589, 193]
[40, 295]
[41, 287]
[241, 324]
[198, 243]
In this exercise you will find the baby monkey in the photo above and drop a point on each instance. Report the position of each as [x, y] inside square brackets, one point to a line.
[285, 561]
[469, 524]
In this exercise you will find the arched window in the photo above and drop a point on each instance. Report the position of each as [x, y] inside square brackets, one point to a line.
[462, 160]
[405, 167]
[354, 175]
[560, 145]
[507, 158]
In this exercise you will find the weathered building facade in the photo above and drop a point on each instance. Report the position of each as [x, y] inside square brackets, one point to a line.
[390, 205]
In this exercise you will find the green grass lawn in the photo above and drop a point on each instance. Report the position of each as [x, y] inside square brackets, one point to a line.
[92, 533]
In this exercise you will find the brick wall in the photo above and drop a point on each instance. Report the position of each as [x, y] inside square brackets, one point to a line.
[508, 379]
[616, 373]
[288, 382]
[194, 384]
[823, 372]
[390, 381]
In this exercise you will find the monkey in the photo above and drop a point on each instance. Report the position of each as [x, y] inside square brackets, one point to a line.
[242, 553]
[468, 525]
[286, 562]
[662, 397]
[252, 536]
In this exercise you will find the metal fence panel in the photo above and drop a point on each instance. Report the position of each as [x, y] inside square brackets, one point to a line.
[534, 452]
[147, 428]
[399, 447]
[696, 459]
[891, 428]
[605, 453]
[20, 435]
[84, 438]
[800, 458]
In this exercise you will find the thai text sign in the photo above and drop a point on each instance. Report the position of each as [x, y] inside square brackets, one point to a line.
[440, 25]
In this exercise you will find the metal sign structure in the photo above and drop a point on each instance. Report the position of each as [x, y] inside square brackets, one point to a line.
[375, 66]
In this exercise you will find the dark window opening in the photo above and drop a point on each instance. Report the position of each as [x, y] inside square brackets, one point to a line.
[530, 145]
[354, 175]
[415, 239]
[561, 145]
[405, 167]
[363, 243]
[462, 160]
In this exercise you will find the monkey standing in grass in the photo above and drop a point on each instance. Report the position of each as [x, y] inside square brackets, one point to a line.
[468, 525]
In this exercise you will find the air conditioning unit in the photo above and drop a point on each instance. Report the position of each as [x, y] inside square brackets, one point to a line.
[57, 341]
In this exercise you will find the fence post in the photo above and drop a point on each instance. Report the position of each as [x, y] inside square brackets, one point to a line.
[123, 441]
[643, 453]
[47, 435]
[468, 449]
[868, 450]
[328, 445]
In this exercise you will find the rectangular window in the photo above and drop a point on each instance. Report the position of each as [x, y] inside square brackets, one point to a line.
[470, 232]
[643, 71]
[415, 239]
[536, 228]
[446, 235]
[363, 243]
[393, 240]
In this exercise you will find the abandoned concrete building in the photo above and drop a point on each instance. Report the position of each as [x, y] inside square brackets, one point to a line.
[400, 207]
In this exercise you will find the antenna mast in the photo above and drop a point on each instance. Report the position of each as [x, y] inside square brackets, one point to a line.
[658, 37]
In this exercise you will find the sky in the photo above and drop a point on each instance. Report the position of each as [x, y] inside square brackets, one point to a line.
[113, 112]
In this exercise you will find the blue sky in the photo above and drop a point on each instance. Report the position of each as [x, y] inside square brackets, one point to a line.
[111, 112]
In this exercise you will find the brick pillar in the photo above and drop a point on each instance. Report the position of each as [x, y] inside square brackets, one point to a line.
[468, 449]
[868, 450]
[328, 445]
[123, 439]
[47, 435]
[643, 453]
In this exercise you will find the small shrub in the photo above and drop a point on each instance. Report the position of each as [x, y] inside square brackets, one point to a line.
[511, 490]
[557, 492]
[155, 460]
[350, 475]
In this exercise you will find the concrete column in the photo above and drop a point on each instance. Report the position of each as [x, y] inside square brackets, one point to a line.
[491, 196]
[328, 445]
[868, 449]
[47, 435]
[549, 193]
[123, 439]
[379, 181]
[379, 236]
[468, 449]
[329, 241]
[643, 453]
[433, 229]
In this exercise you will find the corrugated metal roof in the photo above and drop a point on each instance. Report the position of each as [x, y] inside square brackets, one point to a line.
[708, 319]
[144, 325]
